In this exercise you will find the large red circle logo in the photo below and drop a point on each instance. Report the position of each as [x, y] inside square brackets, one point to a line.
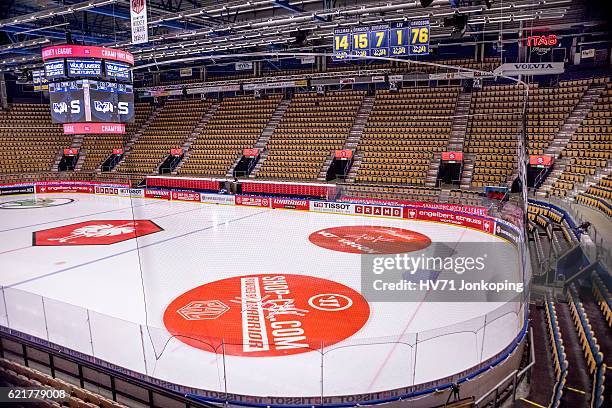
[266, 315]
[363, 239]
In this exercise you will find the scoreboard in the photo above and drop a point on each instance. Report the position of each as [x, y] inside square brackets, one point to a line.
[90, 88]
[395, 40]
[85, 100]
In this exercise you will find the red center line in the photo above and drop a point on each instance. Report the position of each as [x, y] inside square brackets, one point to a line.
[380, 369]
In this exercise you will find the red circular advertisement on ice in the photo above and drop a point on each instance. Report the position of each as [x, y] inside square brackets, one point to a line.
[365, 239]
[266, 315]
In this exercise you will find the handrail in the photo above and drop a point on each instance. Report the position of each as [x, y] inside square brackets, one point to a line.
[515, 375]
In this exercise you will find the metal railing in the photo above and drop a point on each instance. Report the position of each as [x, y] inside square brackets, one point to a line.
[510, 382]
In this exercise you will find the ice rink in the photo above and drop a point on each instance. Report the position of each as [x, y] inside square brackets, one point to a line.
[215, 276]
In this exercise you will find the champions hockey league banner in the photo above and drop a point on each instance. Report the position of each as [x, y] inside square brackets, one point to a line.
[138, 13]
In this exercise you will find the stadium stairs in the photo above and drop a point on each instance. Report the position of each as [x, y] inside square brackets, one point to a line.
[357, 158]
[354, 136]
[194, 135]
[460, 120]
[263, 140]
[432, 172]
[455, 140]
[578, 387]
[467, 171]
[543, 374]
[127, 149]
[563, 137]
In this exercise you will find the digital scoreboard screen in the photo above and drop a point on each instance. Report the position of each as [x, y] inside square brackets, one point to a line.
[117, 71]
[55, 69]
[67, 101]
[84, 68]
[91, 101]
[399, 39]
[111, 102]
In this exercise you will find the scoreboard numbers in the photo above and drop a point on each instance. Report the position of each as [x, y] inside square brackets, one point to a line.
[398, 39]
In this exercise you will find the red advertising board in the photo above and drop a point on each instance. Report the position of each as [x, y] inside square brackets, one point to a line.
[86, 51]
[465, 220]
[79, 183]
[344, 154]
[290, 203]
[544, 160]
[378, 210]
[185, 196]
[176, 152]
[439, 206]
[118, 151]
[71, 152]
[252, 201]
[452, 156]
[74, 188]
[250, 152]
[94, 128]
[163, 194]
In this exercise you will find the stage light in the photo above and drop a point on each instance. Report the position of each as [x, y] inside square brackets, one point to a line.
[426, 3]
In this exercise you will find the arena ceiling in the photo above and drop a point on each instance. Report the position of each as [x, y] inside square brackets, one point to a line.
[179, 28]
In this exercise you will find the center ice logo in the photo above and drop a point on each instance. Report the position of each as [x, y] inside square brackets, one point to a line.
[266, 315]
[95, 232]
[365, 239]
[35, 203]
[100, 230]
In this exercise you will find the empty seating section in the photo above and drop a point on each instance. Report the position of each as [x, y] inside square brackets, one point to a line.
[601, 292]
[311, 128]
[492, 133]
[598, 196]
[403, 132]
[76, 397]
[29, 142]
[547, 111]
[396, 193]
[98, 147]
[237, 124]
[590, 147]
[559, 358]
[588, 341]
[169, 130]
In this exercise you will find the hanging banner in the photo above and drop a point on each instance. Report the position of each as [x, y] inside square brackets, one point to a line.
[530, 68]
[186, 72]
[243, 66]
[140, 30]
[588, 53]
